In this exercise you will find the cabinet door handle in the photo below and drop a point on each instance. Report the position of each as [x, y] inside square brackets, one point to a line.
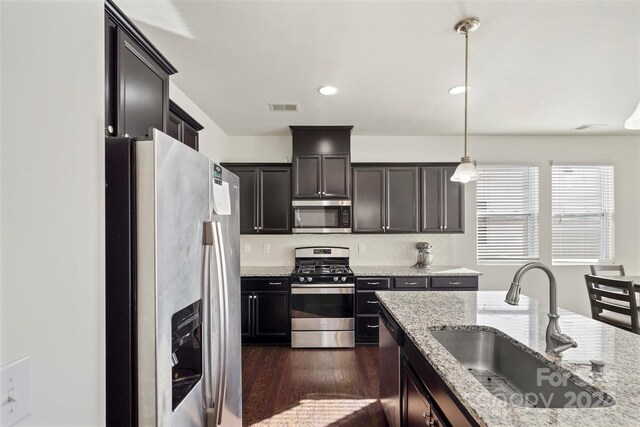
[373, 326]
[275, 283]
[373, 283]
[455, 283]
[372, 302]
[319, 193]
[255, 228]
[411, 283]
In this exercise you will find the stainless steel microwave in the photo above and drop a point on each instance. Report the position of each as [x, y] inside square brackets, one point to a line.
[321, 216]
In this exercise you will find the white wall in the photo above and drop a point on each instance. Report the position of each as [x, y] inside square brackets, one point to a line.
[213, 141]
[52, 201]
[624, 152]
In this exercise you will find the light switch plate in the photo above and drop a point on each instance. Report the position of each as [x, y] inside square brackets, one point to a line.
[15, 391]
[361, 248]
[266, 248]
[247, 248]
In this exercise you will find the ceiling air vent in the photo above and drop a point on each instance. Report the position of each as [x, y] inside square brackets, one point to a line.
[284, 107]
[592, 126]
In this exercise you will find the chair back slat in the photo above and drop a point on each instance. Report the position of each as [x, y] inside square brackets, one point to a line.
[611, 294]
[604, 294]
[607, 270]
[610, 307]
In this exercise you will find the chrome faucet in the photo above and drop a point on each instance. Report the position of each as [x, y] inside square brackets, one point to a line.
[557, 342]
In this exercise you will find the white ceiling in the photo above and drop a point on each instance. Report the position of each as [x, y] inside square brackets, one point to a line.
[536, 67]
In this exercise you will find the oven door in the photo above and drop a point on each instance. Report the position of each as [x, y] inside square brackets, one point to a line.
[322, 308]
[321, 216]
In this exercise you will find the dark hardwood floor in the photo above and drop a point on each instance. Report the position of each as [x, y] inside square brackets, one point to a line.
[299, 387]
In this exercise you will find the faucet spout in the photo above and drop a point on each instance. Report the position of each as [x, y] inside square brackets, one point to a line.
[556, 341]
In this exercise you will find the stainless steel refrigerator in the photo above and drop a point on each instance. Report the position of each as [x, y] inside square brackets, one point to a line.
[172, 286]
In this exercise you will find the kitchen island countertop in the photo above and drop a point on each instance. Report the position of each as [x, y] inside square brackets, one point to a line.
[419, 312]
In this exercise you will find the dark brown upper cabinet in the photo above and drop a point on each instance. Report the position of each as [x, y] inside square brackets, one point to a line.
[265, 197]
[386, 199]
[319, 176]
[368, 200]
[321, 162]
[442, 201]
[182, 126]
[136, 79]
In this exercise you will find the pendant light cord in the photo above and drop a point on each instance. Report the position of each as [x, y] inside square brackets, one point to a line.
[466, 85]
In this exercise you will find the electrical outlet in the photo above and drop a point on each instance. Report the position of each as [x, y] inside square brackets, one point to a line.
[266, 248]
[412, 248]
[361, 248]
[15, 391]
[247, 248]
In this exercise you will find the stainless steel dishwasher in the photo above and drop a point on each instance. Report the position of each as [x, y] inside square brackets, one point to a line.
[391, 339]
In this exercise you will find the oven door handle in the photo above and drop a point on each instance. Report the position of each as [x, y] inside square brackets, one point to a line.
[324, 290]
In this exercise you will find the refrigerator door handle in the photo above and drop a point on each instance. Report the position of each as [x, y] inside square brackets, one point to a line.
[214, 412]
[225, 303]
[208, 242]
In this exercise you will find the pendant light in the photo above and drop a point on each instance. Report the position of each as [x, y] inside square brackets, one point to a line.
[633, 122]
[466, 171]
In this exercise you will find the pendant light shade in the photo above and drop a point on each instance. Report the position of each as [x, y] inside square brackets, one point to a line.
[633, 122]
[466, 170]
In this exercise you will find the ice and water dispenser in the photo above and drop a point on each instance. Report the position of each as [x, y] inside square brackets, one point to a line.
[186, 351]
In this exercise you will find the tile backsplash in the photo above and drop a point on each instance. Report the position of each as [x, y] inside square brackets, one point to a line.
[389, 249]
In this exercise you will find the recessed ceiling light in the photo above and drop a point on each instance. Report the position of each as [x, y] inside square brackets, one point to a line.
[456, 90]
[328, 90]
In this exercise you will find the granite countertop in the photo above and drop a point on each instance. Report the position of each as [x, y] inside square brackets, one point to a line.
[386, 270]
[372, 270]
[269, 271]
[419, 312]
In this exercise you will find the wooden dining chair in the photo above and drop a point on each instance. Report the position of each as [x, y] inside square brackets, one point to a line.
[607, 270]
[613, 302]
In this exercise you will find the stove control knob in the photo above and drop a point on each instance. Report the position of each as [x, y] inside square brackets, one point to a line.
[344, 278]
[309, 279]
[335, 279]
[301, 279]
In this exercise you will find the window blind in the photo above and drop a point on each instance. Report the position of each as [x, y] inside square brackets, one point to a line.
[507, 212]
[583, 214]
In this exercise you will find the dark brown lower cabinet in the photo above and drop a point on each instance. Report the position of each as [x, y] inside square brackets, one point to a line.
[367, 303]
[426, 399]
[265, 317]
[418, 408]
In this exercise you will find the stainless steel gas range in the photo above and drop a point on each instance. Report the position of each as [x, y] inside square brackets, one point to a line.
[322, 298]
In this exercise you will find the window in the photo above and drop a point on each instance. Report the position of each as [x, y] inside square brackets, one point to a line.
[507, 209]
[582, 205]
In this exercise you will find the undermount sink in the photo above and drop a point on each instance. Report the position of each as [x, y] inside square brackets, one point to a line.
[516, 376]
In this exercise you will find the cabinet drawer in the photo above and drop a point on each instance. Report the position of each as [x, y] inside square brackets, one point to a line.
[410, 282]
[454, 282]
[367, 303]
[373, 283]
[265, 284]
[367, 328]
